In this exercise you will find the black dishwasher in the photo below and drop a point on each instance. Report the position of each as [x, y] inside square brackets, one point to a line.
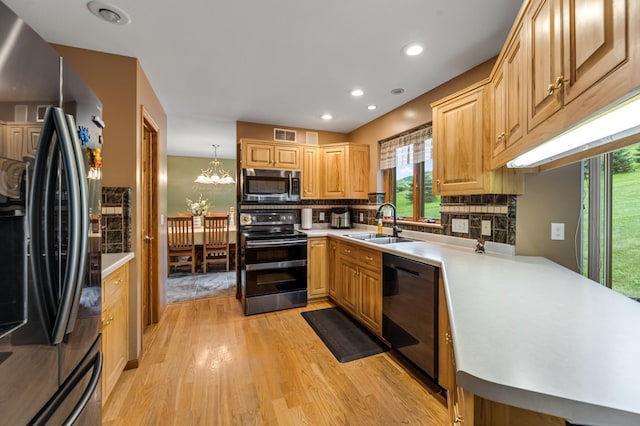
[410, 310]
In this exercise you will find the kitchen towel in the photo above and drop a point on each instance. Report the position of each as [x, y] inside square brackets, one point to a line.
[306, 218]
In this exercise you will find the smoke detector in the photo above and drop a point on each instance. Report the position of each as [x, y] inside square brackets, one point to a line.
[108, 12]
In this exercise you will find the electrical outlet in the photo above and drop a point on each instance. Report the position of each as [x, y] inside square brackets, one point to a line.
[460, 225]
[321, 216]
[361, 217]
[557, 231]
[486, 227]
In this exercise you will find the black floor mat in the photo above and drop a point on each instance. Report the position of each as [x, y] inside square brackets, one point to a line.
[346, 339]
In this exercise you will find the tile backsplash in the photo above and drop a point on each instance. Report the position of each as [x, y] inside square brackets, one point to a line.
[116, 220]
[498, 209]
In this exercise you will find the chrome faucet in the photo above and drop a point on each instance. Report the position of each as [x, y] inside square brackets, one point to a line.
[396, 228]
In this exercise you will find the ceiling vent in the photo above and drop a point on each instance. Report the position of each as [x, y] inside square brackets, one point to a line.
[283, 135]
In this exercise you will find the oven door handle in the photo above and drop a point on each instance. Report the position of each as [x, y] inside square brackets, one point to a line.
[275, 265]
[255, 244]
[290, 185]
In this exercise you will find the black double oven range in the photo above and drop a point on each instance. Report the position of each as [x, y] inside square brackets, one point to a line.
[272, 261]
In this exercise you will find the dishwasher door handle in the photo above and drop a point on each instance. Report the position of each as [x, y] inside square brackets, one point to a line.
[408, 271]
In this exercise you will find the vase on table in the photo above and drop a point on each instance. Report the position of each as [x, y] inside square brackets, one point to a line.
[197, 221]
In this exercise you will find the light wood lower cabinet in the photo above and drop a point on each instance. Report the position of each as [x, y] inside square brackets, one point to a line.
[359, 284]
[318, 268]
[333, 269]
[115, 327]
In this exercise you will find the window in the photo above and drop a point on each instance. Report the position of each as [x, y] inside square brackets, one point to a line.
[408, 166]
[611, 248]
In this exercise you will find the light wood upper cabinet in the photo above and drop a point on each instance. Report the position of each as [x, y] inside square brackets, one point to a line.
[543, 25]
[310, 172]
[334, 168]
[318, 267]
[507, 95]
[458, 144]
[461, 124]
[115, 327]
[572, 46]
[345, 171]
[595, 42]
[574, 59]
[270, 155]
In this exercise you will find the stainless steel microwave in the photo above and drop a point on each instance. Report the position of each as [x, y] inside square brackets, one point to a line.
[270, 185]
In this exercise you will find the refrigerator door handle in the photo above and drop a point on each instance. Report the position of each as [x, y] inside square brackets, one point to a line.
[83, 213]
[45, 174]
[69, 385]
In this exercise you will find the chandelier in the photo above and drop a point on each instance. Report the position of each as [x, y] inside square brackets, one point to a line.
[215, 174]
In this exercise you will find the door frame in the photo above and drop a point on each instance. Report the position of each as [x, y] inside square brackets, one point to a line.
[150, 231]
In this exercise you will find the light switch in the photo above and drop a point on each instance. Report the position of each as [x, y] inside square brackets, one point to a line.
[557, 231]
[321, 216]
[361, 217]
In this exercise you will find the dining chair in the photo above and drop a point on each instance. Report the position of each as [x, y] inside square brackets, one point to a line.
[181, 246]
[215, 241]
[183, 214]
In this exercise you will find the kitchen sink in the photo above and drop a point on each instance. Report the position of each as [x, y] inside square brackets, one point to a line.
[365, 236]
[388, 240]
[379, 238]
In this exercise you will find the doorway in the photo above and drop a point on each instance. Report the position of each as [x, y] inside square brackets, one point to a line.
[150, 264]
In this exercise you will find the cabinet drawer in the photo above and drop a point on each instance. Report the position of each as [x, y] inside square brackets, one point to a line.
[113, 284]
[348, 250]
[370, 258]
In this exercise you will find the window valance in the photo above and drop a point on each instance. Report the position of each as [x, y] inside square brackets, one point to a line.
[412, 148]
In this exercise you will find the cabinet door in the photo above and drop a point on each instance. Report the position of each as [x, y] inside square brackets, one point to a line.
[258, 155]
[515, 91]
[543, 23]
[333, 270]
[458, 144]
[370, 306]
[287, 157]
[318, 267]
[334, 169]
[310, 172]
[358, 177]
[499, 99]
[595, 42]
[348, 283]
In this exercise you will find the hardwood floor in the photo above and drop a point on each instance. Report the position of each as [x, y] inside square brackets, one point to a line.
[207, 364]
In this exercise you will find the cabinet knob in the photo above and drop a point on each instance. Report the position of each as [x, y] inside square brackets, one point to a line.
[369, 258]
[501, 137]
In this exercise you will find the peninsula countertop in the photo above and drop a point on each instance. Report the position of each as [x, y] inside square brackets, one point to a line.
[530, 333]
[112, 261]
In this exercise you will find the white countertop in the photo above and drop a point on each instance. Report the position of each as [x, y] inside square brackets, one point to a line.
[530, 333]
[112, 261]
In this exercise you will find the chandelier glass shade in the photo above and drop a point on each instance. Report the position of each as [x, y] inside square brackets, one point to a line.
[214, 174]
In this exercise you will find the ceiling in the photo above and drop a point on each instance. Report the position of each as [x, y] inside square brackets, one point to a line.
[284, 62]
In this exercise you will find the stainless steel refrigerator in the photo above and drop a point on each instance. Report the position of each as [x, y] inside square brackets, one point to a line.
[50, 261]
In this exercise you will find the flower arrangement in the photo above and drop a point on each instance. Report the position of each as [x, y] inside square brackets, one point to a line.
[200, 207]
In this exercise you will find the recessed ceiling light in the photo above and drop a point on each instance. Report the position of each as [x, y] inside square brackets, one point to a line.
[357, 92]
[397, 91]
[371, 107]
[327, 116]
[412, 49]
[108, 12]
